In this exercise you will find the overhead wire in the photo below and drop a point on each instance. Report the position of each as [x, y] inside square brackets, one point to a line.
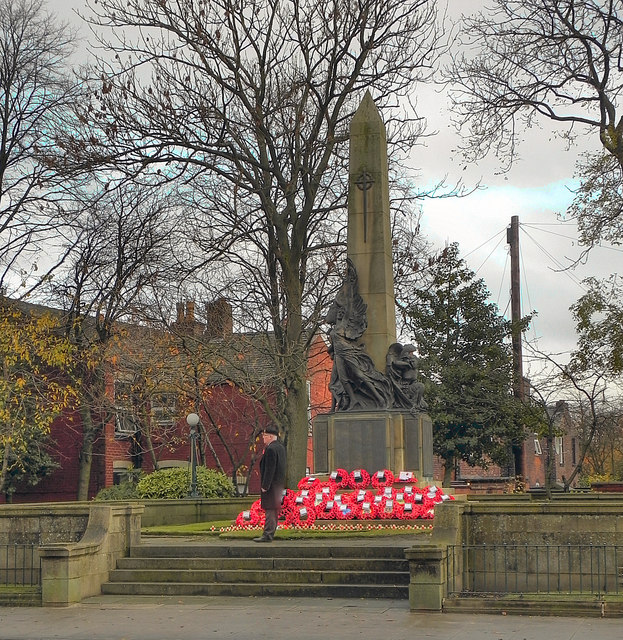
[555, 261]
[502, 280]
[487, 258]
[485, 242]
[562, 235]
[501, 233]
[522, 266]
[560, 265]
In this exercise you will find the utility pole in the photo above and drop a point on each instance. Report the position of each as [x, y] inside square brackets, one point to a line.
[512, 238]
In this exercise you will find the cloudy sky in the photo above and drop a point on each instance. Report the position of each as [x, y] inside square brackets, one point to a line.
[537, 189]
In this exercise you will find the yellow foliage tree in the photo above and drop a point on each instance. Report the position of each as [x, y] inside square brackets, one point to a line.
[34, 354]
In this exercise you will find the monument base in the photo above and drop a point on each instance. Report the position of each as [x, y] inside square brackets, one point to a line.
[374, 440]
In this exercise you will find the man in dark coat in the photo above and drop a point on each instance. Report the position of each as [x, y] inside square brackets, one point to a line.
[273, 472]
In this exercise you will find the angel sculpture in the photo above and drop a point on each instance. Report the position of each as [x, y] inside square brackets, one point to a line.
[402, 370]
[355, 383]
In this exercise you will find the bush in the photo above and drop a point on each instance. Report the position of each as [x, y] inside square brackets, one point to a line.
[123, 491]
[175, 483]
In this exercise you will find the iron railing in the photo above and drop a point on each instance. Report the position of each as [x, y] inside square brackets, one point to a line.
[20, 565]
[532, 568]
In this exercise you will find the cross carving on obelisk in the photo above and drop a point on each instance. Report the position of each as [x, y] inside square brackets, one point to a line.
[364, 182]
[369, 232]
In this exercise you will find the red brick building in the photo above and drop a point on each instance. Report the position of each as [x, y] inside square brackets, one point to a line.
[564, 451]
[229, 415]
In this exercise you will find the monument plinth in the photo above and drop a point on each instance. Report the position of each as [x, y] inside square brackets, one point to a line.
[374, 440]
[377, 418]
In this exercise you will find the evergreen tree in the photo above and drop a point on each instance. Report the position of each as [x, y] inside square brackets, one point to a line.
[466, 365]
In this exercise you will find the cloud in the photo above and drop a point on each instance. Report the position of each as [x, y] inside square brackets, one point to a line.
[548, 247]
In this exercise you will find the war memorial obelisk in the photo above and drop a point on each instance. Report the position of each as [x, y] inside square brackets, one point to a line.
[377, 419]
[369, 232]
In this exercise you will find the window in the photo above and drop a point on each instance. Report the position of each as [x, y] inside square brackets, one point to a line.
[163, 408]
[125, 422]
[121, 471]
[537, 447]
[560, 449]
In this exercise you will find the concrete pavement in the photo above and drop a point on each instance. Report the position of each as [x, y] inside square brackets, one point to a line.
[194, 618]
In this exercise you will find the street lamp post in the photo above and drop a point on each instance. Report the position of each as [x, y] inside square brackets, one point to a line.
[193, 420]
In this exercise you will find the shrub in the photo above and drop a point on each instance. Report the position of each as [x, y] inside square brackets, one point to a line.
[175, 483]
[123, 491]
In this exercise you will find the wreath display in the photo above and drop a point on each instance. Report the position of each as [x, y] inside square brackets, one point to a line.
[383, 478]
[249, 518]
[360, 479]
[340, 478]
[367, 511]
[309, 482]
[302, 517]
[354, 496]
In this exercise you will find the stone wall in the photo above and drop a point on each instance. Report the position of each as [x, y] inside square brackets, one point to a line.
[187, 511]
[77, 543]
[76, 570]
[568, 519]
[67, 522]
[43, 523]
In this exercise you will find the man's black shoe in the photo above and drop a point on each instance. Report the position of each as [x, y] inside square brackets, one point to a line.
[262, 539]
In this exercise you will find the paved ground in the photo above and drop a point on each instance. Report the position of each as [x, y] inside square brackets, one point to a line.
[224, 618]
[194, 618]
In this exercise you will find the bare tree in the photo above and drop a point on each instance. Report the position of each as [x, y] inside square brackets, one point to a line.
[120, 255]
[605, 454]
[35, 96]
[248, 104]
[558, 60]
[583, 386]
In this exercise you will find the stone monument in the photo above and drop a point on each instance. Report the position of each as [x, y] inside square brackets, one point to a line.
[377, 419]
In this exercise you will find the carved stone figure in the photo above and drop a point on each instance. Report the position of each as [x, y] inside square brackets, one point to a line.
[402, 371]
[355, 383]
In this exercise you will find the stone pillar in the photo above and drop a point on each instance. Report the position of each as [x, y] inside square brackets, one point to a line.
[433, 566]
[369, 230]
[428, 577]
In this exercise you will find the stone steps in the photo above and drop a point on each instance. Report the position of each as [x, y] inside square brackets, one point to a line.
[302, 589]
[544, 605]
[23, 596]
[291, 576]
[283, 569]
[266, 564]
[281, 549]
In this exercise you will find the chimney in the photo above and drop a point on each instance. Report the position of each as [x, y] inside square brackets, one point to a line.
[219, 319]
[190, 311]
[180, 312]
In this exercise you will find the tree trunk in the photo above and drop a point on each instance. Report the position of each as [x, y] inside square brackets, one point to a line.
[150, 448]
[5, 466]
[550, 469]
[296, 404]
[448, 468]
[293, 355]
[86, 454]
